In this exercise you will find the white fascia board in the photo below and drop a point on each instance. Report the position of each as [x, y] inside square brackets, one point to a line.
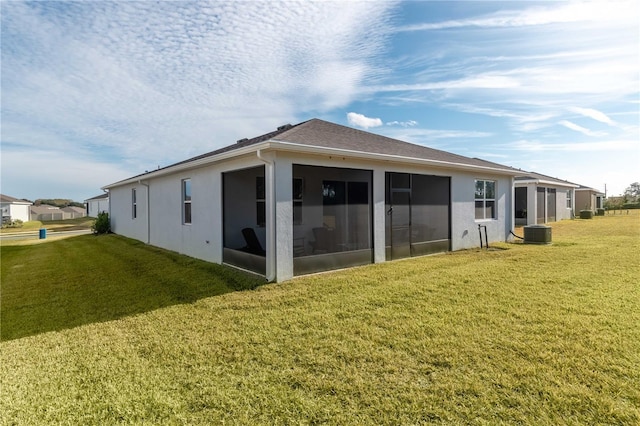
[544, 182]
[274, 144]
[309, 149]
[595, 191]
[191, 164]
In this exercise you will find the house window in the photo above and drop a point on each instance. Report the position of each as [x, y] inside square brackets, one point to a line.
[134, 204]
[298, 190]
[569, 200]
[485, 199]
[261, 216]
[186, 201]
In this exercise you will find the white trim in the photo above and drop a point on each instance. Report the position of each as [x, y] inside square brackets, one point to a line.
[274, 144]
[545, 182]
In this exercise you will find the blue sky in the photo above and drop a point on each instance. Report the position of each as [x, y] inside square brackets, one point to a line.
[94, 92]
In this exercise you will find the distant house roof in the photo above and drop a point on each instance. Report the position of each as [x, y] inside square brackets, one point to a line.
[533, 177]
[44, 208]
[586, 188]
[9, 199]
[72, 209]
[98, 197]
[319, 136]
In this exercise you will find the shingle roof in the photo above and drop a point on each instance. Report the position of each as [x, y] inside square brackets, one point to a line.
[44, 208]
[539, 176]
[9, 199]
[323, 134]
[99, 197]
[320, 133]
[73, 209]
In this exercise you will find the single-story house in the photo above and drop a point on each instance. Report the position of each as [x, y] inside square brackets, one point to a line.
[14, 209]
[589, 199]
[542, 199]
[72, 212]
[97, 204]
[316, 196]
[45, 212]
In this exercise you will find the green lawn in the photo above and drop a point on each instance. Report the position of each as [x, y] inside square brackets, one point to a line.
[521, 334]
[57, 225]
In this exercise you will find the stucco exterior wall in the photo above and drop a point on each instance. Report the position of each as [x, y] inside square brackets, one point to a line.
[19, 212]
[121, 217]
[97, 206]
[160, 223]
[464, 226]
[562, 210]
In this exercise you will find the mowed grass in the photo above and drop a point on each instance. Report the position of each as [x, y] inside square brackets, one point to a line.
[86, 279]
[523, 334]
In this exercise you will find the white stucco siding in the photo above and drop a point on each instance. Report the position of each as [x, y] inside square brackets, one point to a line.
[20, 212]
[203, 238]
[97, 206]
[162, 224]
[282, 268]
[464, 225]
[562, 210]
[121, 207]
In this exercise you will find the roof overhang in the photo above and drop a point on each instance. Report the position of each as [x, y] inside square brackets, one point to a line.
[276, 145]
[544, 182]
[591, 190]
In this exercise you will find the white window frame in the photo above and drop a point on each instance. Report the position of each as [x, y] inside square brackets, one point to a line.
[186, 200]
[134, 203]
[482, 197]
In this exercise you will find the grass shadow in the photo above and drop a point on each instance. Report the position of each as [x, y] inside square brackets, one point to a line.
[88, 279]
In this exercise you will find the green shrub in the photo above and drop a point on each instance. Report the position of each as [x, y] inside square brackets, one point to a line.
[631, 206]
[102, 225]
[17, 223]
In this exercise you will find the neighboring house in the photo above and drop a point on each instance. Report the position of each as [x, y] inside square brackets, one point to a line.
[315, 196]
[97, 204]
[45, 212]
[589, 199]
[542, 199]
[14, 209]
[72, 212]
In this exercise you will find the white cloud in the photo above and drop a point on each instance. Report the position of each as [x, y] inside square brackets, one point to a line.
[360, 120]
[554, 14]
[573, 126]
[594, 114]
[43, 173]
[409, 123]
[605, 145]
[150, 83]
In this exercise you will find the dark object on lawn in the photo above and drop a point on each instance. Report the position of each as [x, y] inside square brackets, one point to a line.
[43, 233]
[537, 234]
[253, 244]
[586, 214]
[599, 212]
[486, 239]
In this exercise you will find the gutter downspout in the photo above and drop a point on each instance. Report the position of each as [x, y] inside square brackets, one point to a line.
[148, 212]
[271, 224]
[512, 210]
